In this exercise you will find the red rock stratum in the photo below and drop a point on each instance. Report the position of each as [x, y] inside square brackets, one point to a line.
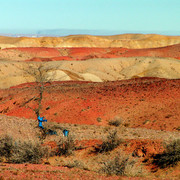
[144, 102]
[84, 53]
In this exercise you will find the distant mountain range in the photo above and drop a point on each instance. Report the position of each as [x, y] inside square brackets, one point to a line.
[66, 32]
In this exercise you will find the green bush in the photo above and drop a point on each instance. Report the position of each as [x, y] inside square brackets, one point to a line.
[170, 157]
[110, 143]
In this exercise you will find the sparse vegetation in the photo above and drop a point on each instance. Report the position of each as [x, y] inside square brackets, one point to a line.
[115, 166]
[27, 152]
[122, 166]
[99, 119]
[170, 157]
[178, 128]
[20, 152]
[117, 121]
[65, 146]
[6, 147]
[110, 143]
[76, 164]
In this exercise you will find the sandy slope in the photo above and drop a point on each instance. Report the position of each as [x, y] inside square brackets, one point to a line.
[125, 40]
[95, 70]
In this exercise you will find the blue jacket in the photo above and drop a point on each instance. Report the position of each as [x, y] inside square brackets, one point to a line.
[40, 119]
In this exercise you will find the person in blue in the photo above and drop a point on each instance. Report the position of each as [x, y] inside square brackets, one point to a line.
[65, 132]
[40, 120]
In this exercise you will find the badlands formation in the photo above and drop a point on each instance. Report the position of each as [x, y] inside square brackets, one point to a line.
[103, 70]
[103, 62]
[105, 58]
[88, 83]
[94, 70]
[132, 41]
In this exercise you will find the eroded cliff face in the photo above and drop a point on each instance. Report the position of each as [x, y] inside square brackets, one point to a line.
[133, 41]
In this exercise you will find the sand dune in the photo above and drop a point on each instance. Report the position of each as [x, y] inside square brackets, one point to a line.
[95, 70]
[126, 40]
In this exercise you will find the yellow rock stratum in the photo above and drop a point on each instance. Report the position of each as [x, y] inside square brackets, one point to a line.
[133, 41]
[96, 70]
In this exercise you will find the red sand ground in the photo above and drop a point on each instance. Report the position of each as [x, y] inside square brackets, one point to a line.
[39, 171]
[137, 147]
[57, 54]
[145, 102]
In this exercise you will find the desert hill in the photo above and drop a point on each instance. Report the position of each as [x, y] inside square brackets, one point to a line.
[134, 41]
[144, 102]
[95, 70]
[84, 53]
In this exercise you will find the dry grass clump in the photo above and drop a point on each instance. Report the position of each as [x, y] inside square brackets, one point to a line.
[110, 143]
[6, 147]
[76, 164]
[122, 165]
[65, 146]
[20, 152]
[115, 166]
[170, 157]
[115, 122]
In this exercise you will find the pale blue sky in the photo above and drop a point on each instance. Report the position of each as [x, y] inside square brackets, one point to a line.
[112, 15]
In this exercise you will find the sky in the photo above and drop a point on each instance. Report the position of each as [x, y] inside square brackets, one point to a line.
[108, 15]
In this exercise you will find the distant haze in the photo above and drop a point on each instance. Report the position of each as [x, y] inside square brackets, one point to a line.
[95, 17]
[66, 32]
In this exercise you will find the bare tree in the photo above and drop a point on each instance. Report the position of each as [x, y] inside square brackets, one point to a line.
[38, 72]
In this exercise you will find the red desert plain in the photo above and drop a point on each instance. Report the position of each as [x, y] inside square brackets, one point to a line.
[118, 97]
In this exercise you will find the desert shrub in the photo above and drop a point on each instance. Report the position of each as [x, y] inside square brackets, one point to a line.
[18, 152]
[170, 156]
[27, 152]
[110, 143]
[115, 122]
[114, 166]
[6, 147]
[122, 166]
[178, 128]
[65, 146]
[76, 164]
